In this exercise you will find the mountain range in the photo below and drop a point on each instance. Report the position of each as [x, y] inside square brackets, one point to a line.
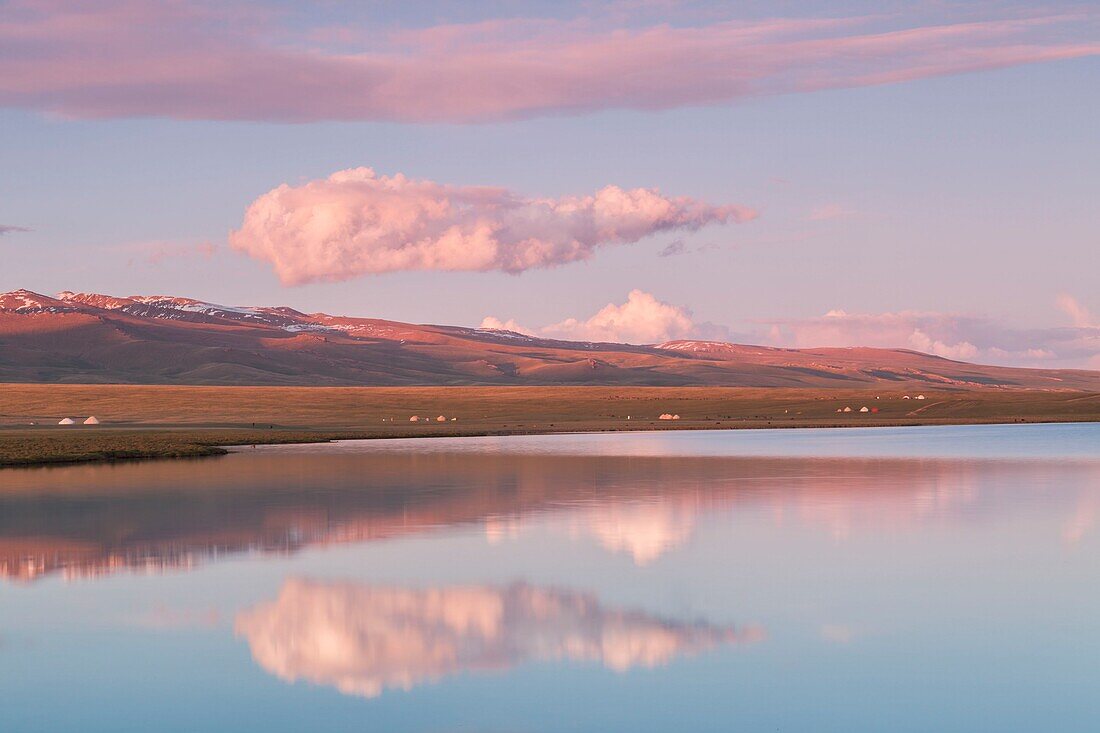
[153, 339]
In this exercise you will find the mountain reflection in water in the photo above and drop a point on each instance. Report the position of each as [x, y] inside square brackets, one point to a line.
[907, 580]
[92, 520]
[363, 639]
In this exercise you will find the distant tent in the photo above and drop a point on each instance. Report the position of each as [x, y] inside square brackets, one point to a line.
[414, 418]
[839, 410]
[847, 409]
[864, 409]
[665, 416]
[441, 419]
[906, 397]
[675, 417]
[67, 421]
[920, 397]
[93, 420]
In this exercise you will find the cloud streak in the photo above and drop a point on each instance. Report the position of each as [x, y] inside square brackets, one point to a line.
[127, 58]
[8, 229]
[1077, 312]
[157, 252]
[356, 222]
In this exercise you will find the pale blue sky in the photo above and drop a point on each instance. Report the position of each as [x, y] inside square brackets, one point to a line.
[971, 193]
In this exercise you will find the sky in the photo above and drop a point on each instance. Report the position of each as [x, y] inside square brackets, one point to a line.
[915, 175]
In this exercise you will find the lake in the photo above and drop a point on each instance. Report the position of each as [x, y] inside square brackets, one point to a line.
[876, 579]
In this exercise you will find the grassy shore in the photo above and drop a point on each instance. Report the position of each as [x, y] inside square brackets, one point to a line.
[139, 422]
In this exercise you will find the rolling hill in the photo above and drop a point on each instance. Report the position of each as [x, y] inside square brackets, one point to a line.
[92, 338]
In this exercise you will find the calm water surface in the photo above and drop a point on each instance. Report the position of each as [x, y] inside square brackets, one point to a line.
[909, 579]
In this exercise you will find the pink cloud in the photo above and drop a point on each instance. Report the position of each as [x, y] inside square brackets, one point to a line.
[950, 335]
[356, 222]
[363, 639]
[120, 58]
[961, 350]
[493, 323]
[642, 319]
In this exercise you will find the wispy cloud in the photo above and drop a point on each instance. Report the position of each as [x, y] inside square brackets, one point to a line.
[830, 212]
[680, 247]
[673, 248]
[8, 229]
[157, 252]
[1078, 313]
[837, 633]
[356, 222]
[205, 60]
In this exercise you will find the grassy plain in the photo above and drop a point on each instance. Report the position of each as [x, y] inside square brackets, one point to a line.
[172, 421]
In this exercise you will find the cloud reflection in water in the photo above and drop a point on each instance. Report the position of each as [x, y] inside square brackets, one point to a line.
[363, 639]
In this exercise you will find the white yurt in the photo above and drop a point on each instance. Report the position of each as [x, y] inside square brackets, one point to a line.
[675, 417]
[847, 409]
[414, 418]
[864, 409]
[920, 397]
[92, 420]
[67, 421]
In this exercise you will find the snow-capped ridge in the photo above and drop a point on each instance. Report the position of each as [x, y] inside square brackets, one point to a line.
[28, 301]
[712, 347]
[170, 307]
[162, 338]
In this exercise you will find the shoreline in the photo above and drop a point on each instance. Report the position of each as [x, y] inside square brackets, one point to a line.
[125, 444]
[143, 422]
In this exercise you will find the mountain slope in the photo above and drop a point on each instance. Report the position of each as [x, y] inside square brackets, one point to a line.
[80, 337]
